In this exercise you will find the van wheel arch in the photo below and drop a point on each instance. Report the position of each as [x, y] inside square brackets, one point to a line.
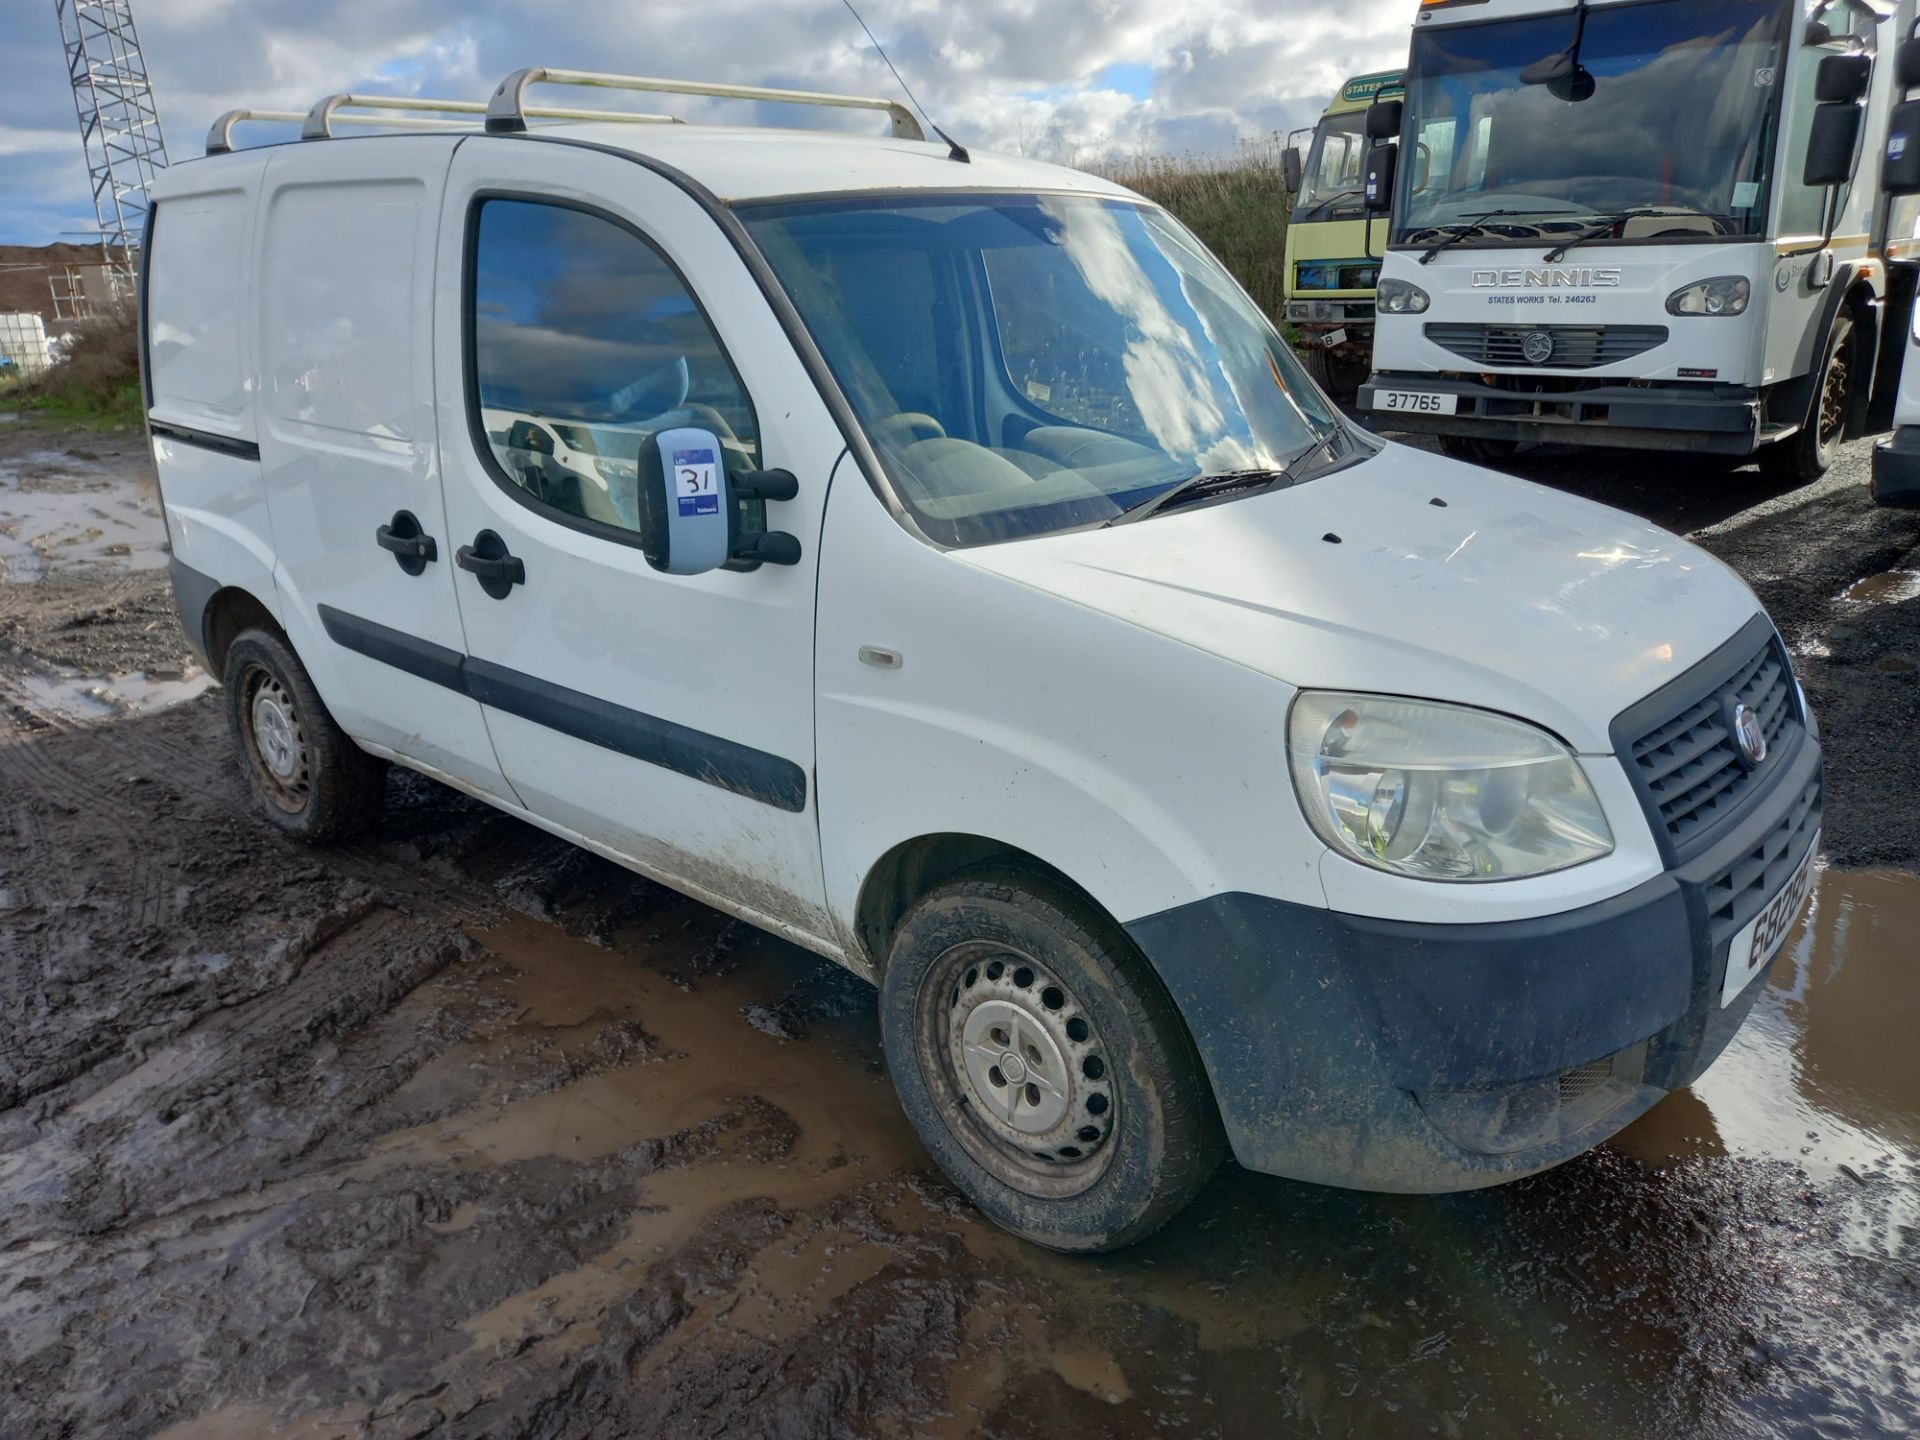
[228, 613]
[913, 867]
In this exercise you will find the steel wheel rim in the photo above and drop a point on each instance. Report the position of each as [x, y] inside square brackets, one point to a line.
[1018, 1069]
[276, 741]
[1833, 398]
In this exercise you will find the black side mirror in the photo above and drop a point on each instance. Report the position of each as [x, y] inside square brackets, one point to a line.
[1383, 120]
[1290, 170]
[1831, 145]
[1842, 79]
[1377, 189]
[1900, 163]
[1574, 86]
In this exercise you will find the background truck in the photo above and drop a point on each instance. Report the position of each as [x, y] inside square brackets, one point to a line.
[1639, 224]
[1332, 260]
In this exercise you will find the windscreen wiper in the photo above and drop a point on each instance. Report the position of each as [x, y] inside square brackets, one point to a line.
[1606, 223]
[1465, 229]
[1208, 486]
[1320, 207]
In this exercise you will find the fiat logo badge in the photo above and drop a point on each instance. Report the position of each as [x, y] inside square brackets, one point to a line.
[1537, 346]
[1747, 733]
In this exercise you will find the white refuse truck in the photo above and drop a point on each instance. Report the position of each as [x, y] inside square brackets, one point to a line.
[1639, 223]
[938, 560]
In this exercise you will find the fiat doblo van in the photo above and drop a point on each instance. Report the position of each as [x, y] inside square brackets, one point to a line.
[938, 560]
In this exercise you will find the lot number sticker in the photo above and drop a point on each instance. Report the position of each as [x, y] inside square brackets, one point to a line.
[696, 482]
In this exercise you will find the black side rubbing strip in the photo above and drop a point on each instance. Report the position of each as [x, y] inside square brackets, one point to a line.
[394, 647]
[205, 440]
[711, 759]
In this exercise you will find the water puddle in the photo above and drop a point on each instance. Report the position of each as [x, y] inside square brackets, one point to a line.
[65, 510]
[105, 697]
[1824, 1073]
[1890, 587]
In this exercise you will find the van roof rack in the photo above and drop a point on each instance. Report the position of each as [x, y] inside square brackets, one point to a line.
[508, 110]
[318, 123]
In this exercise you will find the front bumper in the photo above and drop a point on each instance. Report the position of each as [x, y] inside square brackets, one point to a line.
[1387, 1055]
[1694, 416]
[1896, 468]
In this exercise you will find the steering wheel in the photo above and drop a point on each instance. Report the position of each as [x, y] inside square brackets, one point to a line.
[908, 426]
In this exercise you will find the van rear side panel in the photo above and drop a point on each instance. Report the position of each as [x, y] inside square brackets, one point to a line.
[199, 376]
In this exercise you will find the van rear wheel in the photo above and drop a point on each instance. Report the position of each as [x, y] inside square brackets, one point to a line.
[309, 779]
[1044, 1064]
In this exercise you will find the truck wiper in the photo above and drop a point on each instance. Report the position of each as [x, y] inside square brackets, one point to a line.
[1606, 223]
[1466, 229]
[1320, 207]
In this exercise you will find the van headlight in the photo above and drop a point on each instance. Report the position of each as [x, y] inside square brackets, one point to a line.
[1440, 792]
[1397, 297]
[1725, 295]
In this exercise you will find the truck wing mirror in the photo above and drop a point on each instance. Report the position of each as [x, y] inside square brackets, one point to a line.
[1377, 190]
[1383, 120]
[1842, 79]
[1900, 164]
[1906, 64]
[1290, 170]
[1831, 144]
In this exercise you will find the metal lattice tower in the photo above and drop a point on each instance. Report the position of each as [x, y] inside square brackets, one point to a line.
[118, 122]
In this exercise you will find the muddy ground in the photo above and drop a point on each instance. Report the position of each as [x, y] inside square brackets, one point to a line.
[460, 1131]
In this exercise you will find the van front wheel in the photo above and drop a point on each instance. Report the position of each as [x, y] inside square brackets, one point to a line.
[308, 777]
[1044, 1064]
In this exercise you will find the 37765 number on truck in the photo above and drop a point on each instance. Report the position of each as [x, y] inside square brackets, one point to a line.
[1426, 402]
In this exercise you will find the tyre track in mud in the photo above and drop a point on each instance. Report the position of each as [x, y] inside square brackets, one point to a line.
[341, 1143]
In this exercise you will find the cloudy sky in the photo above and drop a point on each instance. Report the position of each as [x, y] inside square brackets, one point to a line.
[1079, 78]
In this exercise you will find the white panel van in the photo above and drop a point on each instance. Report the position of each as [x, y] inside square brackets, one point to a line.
[938, 560]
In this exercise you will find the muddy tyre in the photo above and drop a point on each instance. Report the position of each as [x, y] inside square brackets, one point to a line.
[1044, 1064]
[1807, 454]
[306, 775]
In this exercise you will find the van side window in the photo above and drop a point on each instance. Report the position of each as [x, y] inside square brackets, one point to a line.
[585, 341]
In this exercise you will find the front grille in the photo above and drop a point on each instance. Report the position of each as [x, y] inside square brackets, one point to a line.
[1741, 891]
[1689, 766]
[1575, 347]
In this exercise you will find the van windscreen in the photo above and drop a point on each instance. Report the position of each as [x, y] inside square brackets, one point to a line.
[1027, 363]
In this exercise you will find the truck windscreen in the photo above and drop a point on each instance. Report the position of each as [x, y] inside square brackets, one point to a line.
[1666, 107]
[1331, 181]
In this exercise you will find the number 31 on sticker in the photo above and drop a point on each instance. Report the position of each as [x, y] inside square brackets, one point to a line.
[696, 482]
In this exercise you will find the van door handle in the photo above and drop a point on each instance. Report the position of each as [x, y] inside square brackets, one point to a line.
[497, 570]
[411, 546]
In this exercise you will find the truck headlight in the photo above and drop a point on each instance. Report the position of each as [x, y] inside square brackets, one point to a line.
[1397, 297]
[1724, 295]
[1440, 792]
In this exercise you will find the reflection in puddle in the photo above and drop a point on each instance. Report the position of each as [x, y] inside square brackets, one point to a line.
[1824, 1074]
[106, 697]
[61, 509]
[1891, 587]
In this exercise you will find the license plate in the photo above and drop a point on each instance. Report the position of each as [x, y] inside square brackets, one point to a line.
[1763, 936]
[1333, 338]
[1422, 402]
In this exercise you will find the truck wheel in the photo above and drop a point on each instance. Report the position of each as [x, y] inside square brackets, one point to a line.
[1340, 378]
[308, 777]
[1804, 456]
[1044, 1064]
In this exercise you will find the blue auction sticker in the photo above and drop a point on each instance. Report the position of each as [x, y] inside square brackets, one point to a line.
[696, 481]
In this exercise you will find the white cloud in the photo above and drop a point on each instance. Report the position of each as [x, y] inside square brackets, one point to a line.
[999, 74]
